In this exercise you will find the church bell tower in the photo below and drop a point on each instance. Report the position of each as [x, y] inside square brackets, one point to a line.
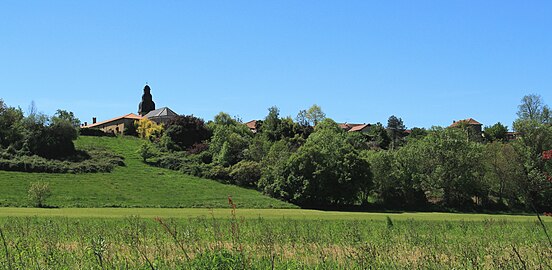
[147, 105]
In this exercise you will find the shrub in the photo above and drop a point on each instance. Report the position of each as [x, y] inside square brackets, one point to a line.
[218, 172]
[53, 141]
[147, 150]
[148, 129]
[91, 161]
[246, 173]
[95, 132]
[38, 193]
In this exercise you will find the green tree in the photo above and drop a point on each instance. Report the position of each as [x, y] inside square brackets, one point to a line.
[314, 115]
[66, 116]
[533, 108]
[302, 118]
[450, 167]
[273, 165]
[147, 150]
[379, 139]
[417, 133]
[327, 170]
[246, 173]
[504, 169]
[535, 138]
[11, 126]
[395, 130]
[184, 131]
[272, 124]
[230, 140]
[38, 193]
[496, 132]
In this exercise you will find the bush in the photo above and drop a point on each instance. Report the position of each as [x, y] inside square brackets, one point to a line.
[186, 131]
[172, 161]
[92, 161]
[53, 141]
[38, 193]
[95, 132]
[246, 173]
[147, 150]
[219, 173]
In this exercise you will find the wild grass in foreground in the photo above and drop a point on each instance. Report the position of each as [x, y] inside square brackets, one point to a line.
[257, 243]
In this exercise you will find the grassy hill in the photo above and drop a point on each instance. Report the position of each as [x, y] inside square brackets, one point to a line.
[135, 185]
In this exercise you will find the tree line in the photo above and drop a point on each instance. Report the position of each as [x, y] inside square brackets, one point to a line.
[312, 162]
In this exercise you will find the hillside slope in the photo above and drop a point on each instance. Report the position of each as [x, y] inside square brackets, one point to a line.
[135, 185]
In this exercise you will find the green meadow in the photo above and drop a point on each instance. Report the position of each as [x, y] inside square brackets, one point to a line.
[134, 185]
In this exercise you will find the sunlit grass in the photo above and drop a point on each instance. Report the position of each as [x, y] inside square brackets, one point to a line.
[135, 185]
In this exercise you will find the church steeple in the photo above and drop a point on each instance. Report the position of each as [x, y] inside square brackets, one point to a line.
[147, 105]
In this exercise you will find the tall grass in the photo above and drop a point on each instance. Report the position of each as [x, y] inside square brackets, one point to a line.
[257, 243]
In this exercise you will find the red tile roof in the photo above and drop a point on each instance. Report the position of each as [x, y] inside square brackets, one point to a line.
[128, 116]
[348, 126]
[252, 124]
[359, 127]
[469, 121]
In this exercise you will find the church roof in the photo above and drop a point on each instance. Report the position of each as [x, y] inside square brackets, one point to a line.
[165, 111]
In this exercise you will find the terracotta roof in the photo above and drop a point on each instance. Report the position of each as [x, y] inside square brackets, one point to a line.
[469, 121]
[252, 124]
[348, 126]
[359, 127]
[128, 116]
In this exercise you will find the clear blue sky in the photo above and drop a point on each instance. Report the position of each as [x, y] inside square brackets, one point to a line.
[428, 62]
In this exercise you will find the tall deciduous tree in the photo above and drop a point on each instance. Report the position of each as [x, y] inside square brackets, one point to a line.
[532, 107]
[315, 114]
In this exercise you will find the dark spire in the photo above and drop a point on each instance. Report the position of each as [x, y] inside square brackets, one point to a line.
[147, 105]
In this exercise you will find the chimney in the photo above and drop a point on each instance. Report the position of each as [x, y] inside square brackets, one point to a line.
[93, 120]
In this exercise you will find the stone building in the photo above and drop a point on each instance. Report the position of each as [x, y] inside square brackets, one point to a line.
[146, 109]
[116, 125]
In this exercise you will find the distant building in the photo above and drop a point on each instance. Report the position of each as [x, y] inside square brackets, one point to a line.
[146, 109]
[512, 136]
[474, 127]
[355, 127]
[116, 125]
[252, 125]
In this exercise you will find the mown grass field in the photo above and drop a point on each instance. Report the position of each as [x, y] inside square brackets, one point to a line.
[135, 185]
[268, 239]
[248, 213]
